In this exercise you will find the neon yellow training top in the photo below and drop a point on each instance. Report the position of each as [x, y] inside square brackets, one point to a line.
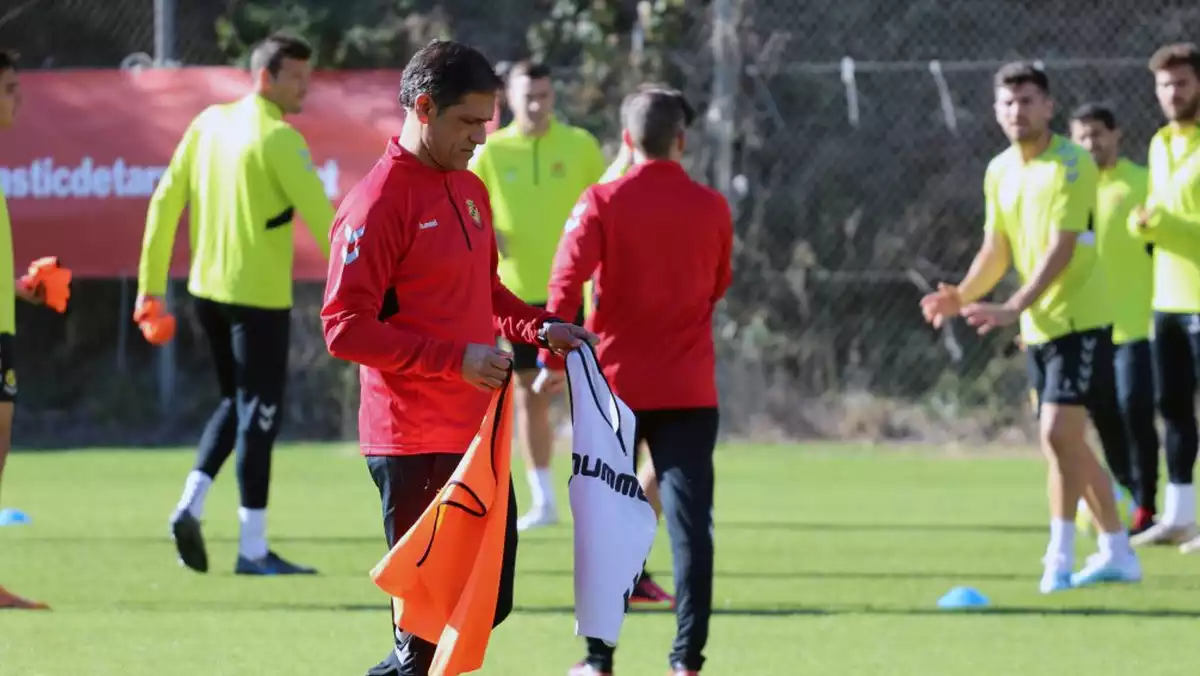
[8, 290]
[534, 183]
[1055, 191]
[245, 173]
[1127, 262]
[1174, 227]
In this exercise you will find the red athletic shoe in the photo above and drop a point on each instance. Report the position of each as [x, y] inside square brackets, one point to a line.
[649, 593]
[585, 669]
[683, 672]
[1143, 520]
[10, 600]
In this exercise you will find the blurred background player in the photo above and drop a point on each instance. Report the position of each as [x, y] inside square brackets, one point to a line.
[1040, 199]
[619, 232]
[26, 288]
[647, 592]
[535, 168]
[1128, 270]
[245, 173]
[1171, 222]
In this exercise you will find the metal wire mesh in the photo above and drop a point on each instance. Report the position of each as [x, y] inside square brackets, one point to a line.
[856, 149]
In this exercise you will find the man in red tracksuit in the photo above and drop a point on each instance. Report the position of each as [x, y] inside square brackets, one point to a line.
[414, 298]
[658, 245]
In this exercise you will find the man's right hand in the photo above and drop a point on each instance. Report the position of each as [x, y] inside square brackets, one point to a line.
[486, 366]
[943, 303]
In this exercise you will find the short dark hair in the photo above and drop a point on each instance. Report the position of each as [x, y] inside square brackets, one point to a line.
[534, 70]
[1175, 55]
[1019, 73]
[689, 113]
[1093, 111]
[655, 118]
[447, 71]
[271, 52]
[8, 60]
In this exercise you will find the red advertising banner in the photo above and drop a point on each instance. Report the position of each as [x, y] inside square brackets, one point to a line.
[88, 147]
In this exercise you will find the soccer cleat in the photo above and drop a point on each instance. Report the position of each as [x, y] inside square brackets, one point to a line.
[538, 517]
[1105, 568]
[271, 564]
[585, 669]
[647, 592]
[1190, 547]
[11, 601]
[1165, 534]
[189, 542]
[1143, 520]
[680, 670]
[1054, 579]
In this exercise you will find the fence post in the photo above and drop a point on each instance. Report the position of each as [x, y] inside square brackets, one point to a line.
[727, 71]
[164, 56]
[164, 32]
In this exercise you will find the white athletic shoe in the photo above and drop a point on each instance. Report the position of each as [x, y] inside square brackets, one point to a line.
[1166, 534]
[538, 517]
[1108, 568]
[1190, 547]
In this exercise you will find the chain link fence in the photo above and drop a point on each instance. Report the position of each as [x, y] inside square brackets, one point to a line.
[851, 137]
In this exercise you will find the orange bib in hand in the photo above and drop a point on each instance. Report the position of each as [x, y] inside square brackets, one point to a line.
[444, 574]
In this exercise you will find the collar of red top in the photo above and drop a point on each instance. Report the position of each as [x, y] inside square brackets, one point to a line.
[657, 166]
[408, 159]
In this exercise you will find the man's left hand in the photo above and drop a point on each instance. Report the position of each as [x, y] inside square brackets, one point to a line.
[987, 316]
[561, 338]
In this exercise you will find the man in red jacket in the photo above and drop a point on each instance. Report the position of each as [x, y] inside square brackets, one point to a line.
[414, 298]
[658, 245]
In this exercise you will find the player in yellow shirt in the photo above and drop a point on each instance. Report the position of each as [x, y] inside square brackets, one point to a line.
[1171, 222]
[245, 173]
[1040, 197]
[535, 170]
[1129, 273]
[10, 290]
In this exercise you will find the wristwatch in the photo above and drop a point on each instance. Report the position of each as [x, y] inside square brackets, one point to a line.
[541, 334]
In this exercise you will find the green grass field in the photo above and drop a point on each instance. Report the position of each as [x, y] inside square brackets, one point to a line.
[830, 561]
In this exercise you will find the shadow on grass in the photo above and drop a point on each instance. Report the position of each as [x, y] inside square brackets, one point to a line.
[880, 527]
[792, 611]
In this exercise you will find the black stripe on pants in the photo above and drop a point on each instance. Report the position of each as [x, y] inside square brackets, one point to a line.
[681, 445]
[1176, 349]
[407, 485]
[249, 348]
[1135, 395]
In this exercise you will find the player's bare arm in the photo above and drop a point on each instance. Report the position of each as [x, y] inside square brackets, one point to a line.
[988, 316]
[986, 271]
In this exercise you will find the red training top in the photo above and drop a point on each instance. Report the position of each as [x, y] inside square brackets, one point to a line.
[412, 281]
[659, 244]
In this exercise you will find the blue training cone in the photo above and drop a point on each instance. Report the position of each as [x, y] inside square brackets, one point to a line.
[962, 597]
[13, 517]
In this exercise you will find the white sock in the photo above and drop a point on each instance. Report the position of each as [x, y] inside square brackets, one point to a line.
[252, 543]
[1179, 505]
[195, 490]
[1061, 550]
[541, 485]
[1115, 544]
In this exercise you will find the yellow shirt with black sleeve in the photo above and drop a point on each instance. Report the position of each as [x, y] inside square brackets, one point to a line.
[1127, 260]
[244, 172]
[8, 290]
[534, 183]
[1028, 202]
[1174, 227]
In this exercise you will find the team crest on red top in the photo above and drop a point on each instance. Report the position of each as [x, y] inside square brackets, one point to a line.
[474, 212]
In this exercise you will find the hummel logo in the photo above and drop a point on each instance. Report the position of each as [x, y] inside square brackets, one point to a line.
[266, 416]
[428, 224]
